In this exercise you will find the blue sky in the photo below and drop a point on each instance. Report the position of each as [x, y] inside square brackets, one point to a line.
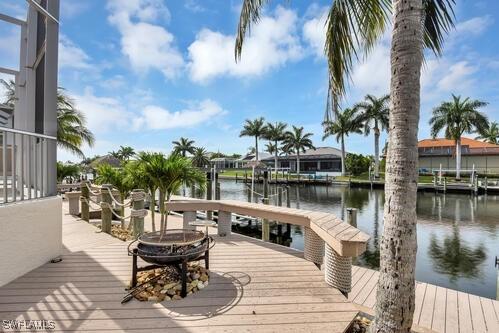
[146, 72]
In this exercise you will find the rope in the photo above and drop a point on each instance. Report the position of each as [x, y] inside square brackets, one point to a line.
[133, 212]
[83, 199]
[90, 190]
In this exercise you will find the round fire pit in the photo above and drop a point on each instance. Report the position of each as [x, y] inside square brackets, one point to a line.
[174, 248]
[174, 245]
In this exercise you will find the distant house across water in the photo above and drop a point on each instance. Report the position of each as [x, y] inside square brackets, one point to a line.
[319, 161]
[483, 156]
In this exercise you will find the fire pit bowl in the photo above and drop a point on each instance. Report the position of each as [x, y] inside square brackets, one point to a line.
[175, 246]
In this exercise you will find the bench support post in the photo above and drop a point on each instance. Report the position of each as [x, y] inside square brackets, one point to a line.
[314, 247]
[187, 218]
[338, 270]
[74, 202]
[224, 223]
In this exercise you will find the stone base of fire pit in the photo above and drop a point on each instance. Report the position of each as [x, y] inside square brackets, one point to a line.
[168, 287]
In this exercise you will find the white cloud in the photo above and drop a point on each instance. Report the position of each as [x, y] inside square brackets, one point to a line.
[71, 8]
[114, 82]
[273, 43]
[71, 56]
[457, 77]
[155, 117]
[194, 6]
[314, 32]
[474, 26]
[146, 45]
[102, 113]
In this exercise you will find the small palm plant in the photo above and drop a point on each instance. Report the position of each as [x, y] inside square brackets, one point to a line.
[490, 134]
[169, 173]
[255, 128]
[458, 116]
[117, 177]
[298, 142]
[346, 122]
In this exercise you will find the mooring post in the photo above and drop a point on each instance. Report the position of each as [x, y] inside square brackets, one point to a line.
[106, 208]
[85, 199]
[236, 177]
[138, 197]
[288, 197]
[485, 184]
[475, 185]
[193, 191]
[209, 192]
[279, 196]
[217, 191]
[352, 216]
[445, 184]
[265, 222]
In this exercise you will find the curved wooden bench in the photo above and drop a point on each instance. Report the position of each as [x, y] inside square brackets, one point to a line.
[345, 239]
[328, 240]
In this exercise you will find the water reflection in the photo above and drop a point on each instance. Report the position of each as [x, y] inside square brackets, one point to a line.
[458, 235]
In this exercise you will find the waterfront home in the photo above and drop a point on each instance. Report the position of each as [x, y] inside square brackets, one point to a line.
[441, 153]
[321, 161]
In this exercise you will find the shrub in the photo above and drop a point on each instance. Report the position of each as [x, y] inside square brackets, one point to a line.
[357, 164]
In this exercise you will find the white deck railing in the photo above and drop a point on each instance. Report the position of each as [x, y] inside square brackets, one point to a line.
[24, 165]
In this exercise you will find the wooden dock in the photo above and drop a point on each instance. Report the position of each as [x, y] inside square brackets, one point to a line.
[438, 309]
[254, 286]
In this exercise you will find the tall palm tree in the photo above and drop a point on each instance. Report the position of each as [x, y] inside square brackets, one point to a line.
[255, 128]
[125, 152]
[298, 142]
[352, 29]
[346, 122]
[375, 112]
[200, 157]
[490, 134]
[72, 131]
[458, 116]
[271, 148]
[183, 146]
[275, 133]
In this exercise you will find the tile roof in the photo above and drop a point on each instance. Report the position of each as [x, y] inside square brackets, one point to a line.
[441, 142]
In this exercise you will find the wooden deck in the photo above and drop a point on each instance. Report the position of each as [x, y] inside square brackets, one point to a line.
[254, 286]
[437, 309]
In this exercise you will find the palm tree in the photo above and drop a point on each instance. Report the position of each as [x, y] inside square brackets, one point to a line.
[458, 117]
[352, 29]
[200, 157]
[168, 174]
[183, 146]
[375, 113]
[117, 177]
[271, 148]
[275, 133]
[298, 142]
[125, 152]
[490, 134]
[346, 122]
[255, 128]
[72, 131]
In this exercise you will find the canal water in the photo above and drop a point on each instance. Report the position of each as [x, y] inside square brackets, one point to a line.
[458, 235]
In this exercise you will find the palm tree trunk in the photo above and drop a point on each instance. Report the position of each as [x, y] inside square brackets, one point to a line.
[298, 164]
[275, 159]
[395, 294]
[458, 159]
[343, 169]
[162, 211]
[256, 148]
[376, 150]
